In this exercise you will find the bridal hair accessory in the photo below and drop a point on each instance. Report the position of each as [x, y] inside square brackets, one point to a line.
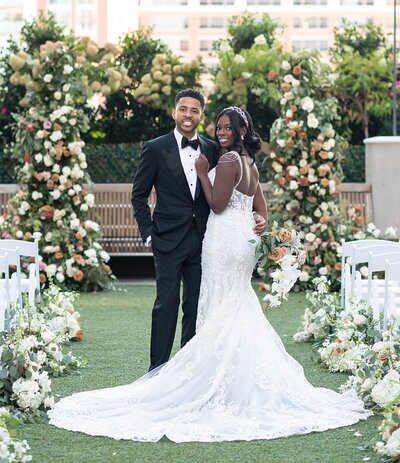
[241, 114]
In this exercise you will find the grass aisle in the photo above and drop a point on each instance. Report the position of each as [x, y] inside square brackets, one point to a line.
[117, 327]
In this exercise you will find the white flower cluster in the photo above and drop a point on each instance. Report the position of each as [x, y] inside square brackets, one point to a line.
[12, 450]
[284, 279]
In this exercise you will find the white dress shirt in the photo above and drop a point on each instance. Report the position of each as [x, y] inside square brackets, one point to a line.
[188, 158]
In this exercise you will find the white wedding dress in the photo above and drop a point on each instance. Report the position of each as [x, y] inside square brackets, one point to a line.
[232, 381]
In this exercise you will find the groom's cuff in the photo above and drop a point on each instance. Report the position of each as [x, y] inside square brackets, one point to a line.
[148, 241]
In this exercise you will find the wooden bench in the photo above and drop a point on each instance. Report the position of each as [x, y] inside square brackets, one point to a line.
[120, 233]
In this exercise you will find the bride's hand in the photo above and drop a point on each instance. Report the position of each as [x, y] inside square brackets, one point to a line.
[201, 165]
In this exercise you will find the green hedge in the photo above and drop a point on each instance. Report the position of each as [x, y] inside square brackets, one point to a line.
[353, 164]
[106, 163]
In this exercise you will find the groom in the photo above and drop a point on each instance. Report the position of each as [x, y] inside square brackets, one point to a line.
[176, 230]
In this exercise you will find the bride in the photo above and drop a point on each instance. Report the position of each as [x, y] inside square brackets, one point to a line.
[233, 380]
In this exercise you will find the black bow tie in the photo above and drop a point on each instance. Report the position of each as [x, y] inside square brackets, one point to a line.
[192, 143]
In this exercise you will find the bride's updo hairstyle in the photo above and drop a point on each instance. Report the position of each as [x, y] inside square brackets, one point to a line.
[240, 118]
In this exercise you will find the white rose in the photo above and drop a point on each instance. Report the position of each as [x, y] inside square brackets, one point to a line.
[310, 237]
[66, 87]
[55, 194]
[304, 276]
[36, 195]
[75, 223]
[57, 95]
[239, 59]
[307, 104]
[288, 78]
[323, 271]
[293, 185]
[60, 277]
[19, 234]
[38, 157]
[51, 269]
[84, 207]
[285, 65]
[48, 78]
[359, 319]
[67, 69]
[312, 121]
[260, 39]
[56, 135]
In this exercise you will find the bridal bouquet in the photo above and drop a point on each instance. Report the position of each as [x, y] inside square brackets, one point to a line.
[280, 254]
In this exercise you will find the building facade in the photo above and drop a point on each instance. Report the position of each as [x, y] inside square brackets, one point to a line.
[190, 27]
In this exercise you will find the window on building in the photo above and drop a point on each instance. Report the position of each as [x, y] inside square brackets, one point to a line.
[264, 2]
[206, 45]
[169, 22]
[177, 44]
[356, 2]
[297, 23]
[310, 2]
[321, 45]
[217, 2]
[169, 2]
[210, 22]
[317, 23]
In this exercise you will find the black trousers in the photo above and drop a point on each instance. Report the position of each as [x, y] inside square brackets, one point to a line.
[183, 264]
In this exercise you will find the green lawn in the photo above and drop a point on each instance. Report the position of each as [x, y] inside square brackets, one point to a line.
[117, 331]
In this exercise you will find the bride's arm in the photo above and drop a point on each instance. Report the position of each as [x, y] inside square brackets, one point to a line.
[217, 196]
[259, 203]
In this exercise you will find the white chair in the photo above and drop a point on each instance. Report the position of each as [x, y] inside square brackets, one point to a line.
[28, 249]
[348, 249]
[4, 292]
[376, 287]
[392, 292]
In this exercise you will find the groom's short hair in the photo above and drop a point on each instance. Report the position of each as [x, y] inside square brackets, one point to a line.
[191, 93]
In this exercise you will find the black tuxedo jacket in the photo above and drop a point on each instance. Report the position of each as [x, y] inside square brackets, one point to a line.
[160, 166]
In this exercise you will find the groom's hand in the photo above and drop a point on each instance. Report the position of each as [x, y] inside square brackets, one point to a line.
[260, 225]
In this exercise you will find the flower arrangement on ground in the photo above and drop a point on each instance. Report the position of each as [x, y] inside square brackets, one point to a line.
[12, 450]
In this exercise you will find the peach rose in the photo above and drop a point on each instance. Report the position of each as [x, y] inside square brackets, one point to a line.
[297, 70]
[285, 235]
[277, 253]
[78, 276]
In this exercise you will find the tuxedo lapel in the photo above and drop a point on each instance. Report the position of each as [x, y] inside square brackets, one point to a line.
[172, 158]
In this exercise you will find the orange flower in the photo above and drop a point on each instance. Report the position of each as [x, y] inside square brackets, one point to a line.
[79, 236]
[272, 75]
[68, 185]
[281, 181]
[359, 220]
[337, 350]
[79, 259]
[277, 253]
[292, 133]
[46, 212]
[293, 108]
[297, 70]
[78, 276]
[338, 266]
[302, 135]
[107, 268]
[303, 170]
[58, 255]
[324, 182]
[289, 142]
[383, 356]
[42, 278]
[57, 126]
[28, 236]
[285, 87]
[79, 336]
[285, 235]
[324, 154]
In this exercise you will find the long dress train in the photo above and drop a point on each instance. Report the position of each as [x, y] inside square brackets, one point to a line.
[232, 381]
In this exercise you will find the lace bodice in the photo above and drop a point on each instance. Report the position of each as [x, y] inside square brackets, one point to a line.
[239, 201]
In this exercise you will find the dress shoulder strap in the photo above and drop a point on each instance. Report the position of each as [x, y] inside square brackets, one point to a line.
[233, 156]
